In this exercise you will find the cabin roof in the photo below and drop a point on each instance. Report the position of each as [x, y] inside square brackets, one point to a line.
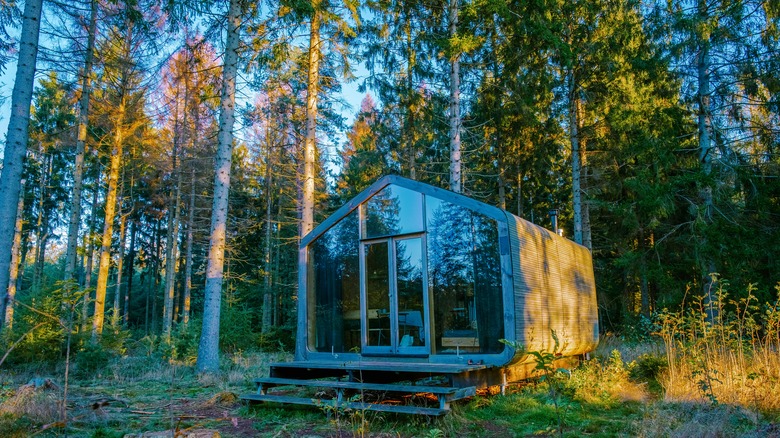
[426, 189]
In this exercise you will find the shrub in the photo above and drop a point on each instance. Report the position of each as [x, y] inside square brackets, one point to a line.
[606, 381]
[45, 334]
[115, 337]
[184, 342]
[92, 359]
[277, 340]
[236, 329]
[648, 367]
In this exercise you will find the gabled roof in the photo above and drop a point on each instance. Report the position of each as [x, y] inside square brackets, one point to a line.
[426, 189]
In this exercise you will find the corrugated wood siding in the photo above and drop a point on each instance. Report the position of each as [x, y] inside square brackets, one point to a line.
[554, 289]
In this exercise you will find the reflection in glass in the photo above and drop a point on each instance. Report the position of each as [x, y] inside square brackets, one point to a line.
[334, 285]
[394, 210]
[458, 253]
[464, 274]
[378, 294]
[409, 282]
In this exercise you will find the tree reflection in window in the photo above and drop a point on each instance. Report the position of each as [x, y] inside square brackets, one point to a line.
[334, 278]
[464, 273]
[394, 210]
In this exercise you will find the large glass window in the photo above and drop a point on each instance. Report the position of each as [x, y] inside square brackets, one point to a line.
[393, 211]
[408, 242]
[334, 279]
[464, 274]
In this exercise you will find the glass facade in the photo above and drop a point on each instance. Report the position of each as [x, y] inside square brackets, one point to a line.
[334, 277]
[464, 274]
[431, 269]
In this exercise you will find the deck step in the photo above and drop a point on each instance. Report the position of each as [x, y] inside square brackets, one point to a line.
[268, 382]
[400, 409]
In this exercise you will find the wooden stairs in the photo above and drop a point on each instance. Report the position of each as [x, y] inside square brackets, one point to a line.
[395, 385]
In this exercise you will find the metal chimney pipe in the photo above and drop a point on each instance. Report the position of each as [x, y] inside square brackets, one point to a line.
[554, 219]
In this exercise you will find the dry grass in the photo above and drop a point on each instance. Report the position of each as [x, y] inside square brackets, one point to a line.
[733, 358]
[39, 403]
[721, 376]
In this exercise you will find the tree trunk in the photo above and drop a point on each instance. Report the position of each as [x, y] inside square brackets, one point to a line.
[186, 301]
[520, 211]
[8, 302]
[587, 240]
[42, 226]
[155, 282]
[276, 298]
[498, 116]
[501, 172]
[16, 139]
[409, 129]
[208, 348]
[119, 261]
[146, 296]
[130, 272]
[267, 297]
[89, 245]
[576, 163]
[310, 145]
[81, 141]
[643, 283]
[456, 178]
[188, 257]
[171, 246]
[705, 158]
[108, 224]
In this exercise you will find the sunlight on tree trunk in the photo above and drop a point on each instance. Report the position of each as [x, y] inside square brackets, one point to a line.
[15, 260]
[108, 224]
[310, 145]
[89, 246]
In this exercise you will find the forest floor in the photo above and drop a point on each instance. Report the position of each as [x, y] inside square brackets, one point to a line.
[149, 397]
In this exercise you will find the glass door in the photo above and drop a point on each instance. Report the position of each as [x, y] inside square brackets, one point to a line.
[376, 321]
[395, 296]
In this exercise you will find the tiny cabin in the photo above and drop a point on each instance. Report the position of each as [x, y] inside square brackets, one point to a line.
[408, 280]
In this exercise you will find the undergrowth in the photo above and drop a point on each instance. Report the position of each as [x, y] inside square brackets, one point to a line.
[723, 352]
[709, 368]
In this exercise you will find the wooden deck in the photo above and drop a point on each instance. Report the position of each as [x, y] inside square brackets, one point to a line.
[387, 366]
[395, 381]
